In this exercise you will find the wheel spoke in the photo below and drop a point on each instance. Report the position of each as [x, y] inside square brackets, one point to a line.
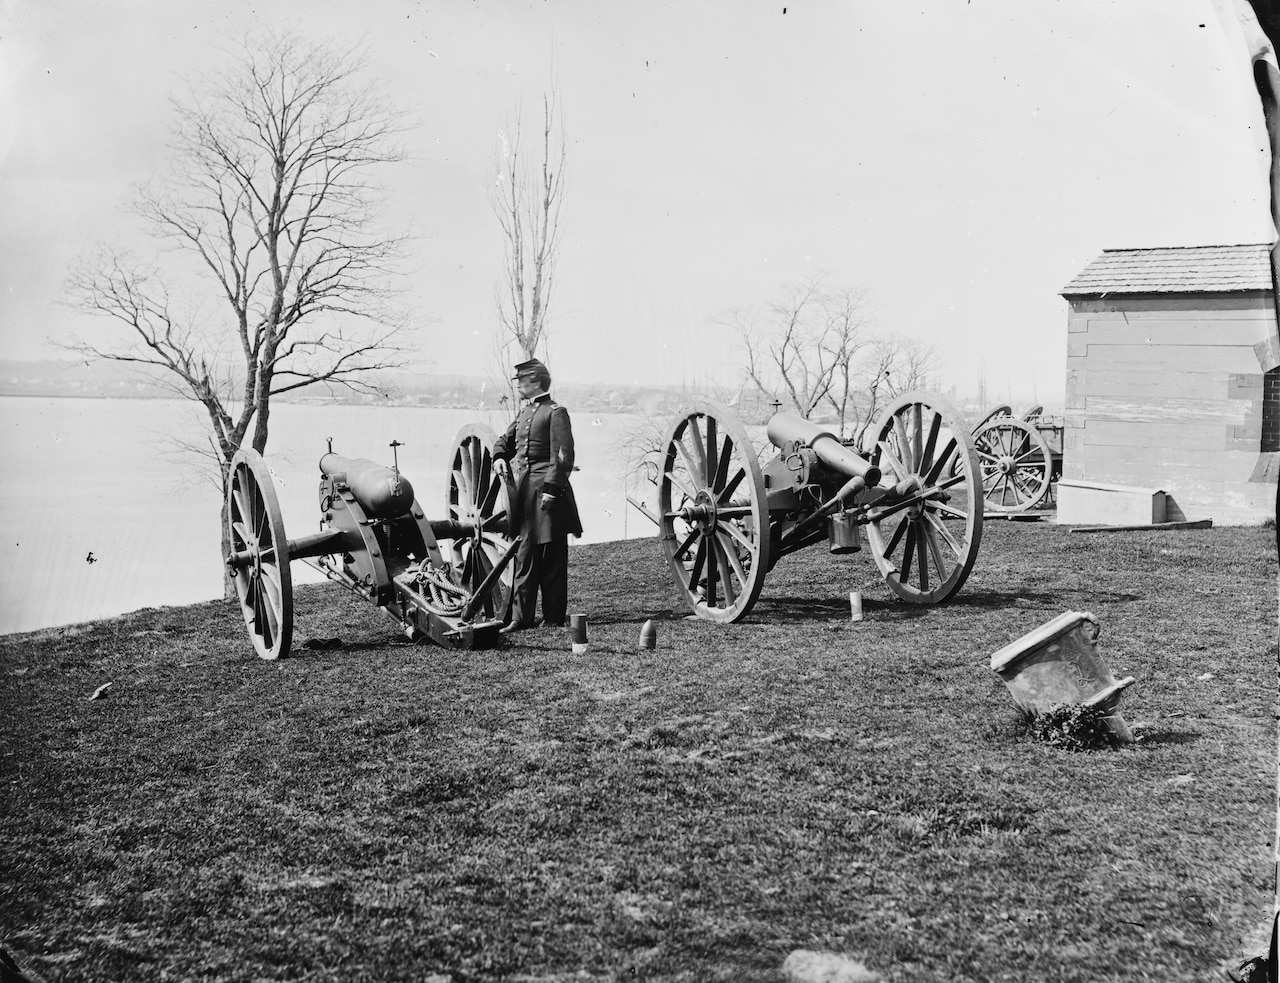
[922, 556]
[699, 558]
[691, 466]
[253, 604]
[476, 453]
[732, 529]
[926, 456]
[488, 556]
[1022, 457]
[712, 569]
[948, 452]
[270, 622]
[684, 489]
[887, 456]
[239, 500]
[271, 585]
[949, 509]
[940, 529]
[465, 498]
[480, 568]
[712, 459]
[908, 552]
[486, 471]
[896, 538]
[241, 538]
[493, 490]
[684, 547]
[732, 486]
[722, 467]
[468, 563]
[255, 515]
[730, 553]
[243, 506]
[904, 444]
[952, 481]
[701, 468]
[1025, 483]
[930, 536]
[722, 563]
[917, 438]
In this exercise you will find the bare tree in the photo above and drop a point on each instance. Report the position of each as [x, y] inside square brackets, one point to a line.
[268, 202]
[893, 365]
[846, 312]
[815, 346]
[806, 345]
[528, 199]
[788, 346]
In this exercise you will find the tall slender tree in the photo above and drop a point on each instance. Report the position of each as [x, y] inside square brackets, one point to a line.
[527, 197]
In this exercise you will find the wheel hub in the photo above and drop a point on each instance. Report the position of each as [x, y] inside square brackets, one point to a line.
[1005, 465]
[701, 513]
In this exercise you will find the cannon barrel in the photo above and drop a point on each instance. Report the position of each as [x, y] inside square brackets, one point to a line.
[788, 428]
[383, 493]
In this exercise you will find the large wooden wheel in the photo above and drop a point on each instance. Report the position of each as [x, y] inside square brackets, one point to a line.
[714, 514]
[1017, 466]
[481, 499]
[925, 539]
[259, 559]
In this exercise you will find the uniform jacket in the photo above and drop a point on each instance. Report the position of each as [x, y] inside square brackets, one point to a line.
[539, 447]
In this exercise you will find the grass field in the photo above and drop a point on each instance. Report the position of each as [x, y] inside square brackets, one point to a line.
[382, 811]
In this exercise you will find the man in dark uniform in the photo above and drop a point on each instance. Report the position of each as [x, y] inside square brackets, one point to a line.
[538, 450]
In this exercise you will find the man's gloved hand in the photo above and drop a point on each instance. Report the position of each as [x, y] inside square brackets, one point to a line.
[547, 502]
[501, 467]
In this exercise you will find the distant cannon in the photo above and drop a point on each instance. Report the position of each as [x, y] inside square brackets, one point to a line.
[443, 579]
[724, 520]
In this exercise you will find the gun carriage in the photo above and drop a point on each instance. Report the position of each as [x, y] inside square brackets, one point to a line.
[725, 519]
[445, 579]
[1020, 457]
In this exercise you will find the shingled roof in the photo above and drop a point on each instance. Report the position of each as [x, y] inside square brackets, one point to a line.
[1179, 269]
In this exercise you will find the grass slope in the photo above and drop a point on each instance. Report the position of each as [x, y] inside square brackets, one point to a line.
[384, 811]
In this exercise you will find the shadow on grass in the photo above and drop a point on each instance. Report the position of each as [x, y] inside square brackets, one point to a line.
[321, 649]
[1046, 599]
[1153, 738]
[656, 615]
[797, 608]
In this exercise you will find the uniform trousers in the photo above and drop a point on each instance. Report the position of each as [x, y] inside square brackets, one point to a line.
[545, 566]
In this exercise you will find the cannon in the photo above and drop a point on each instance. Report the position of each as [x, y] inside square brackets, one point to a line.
[446, 580]
[1020, 457]
[725, 519]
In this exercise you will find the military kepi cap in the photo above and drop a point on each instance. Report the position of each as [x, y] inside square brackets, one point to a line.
[532, 367]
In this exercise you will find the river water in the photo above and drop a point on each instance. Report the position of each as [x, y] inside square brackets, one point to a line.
[102, 515]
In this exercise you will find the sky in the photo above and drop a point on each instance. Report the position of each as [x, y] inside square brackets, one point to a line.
[958, 161]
